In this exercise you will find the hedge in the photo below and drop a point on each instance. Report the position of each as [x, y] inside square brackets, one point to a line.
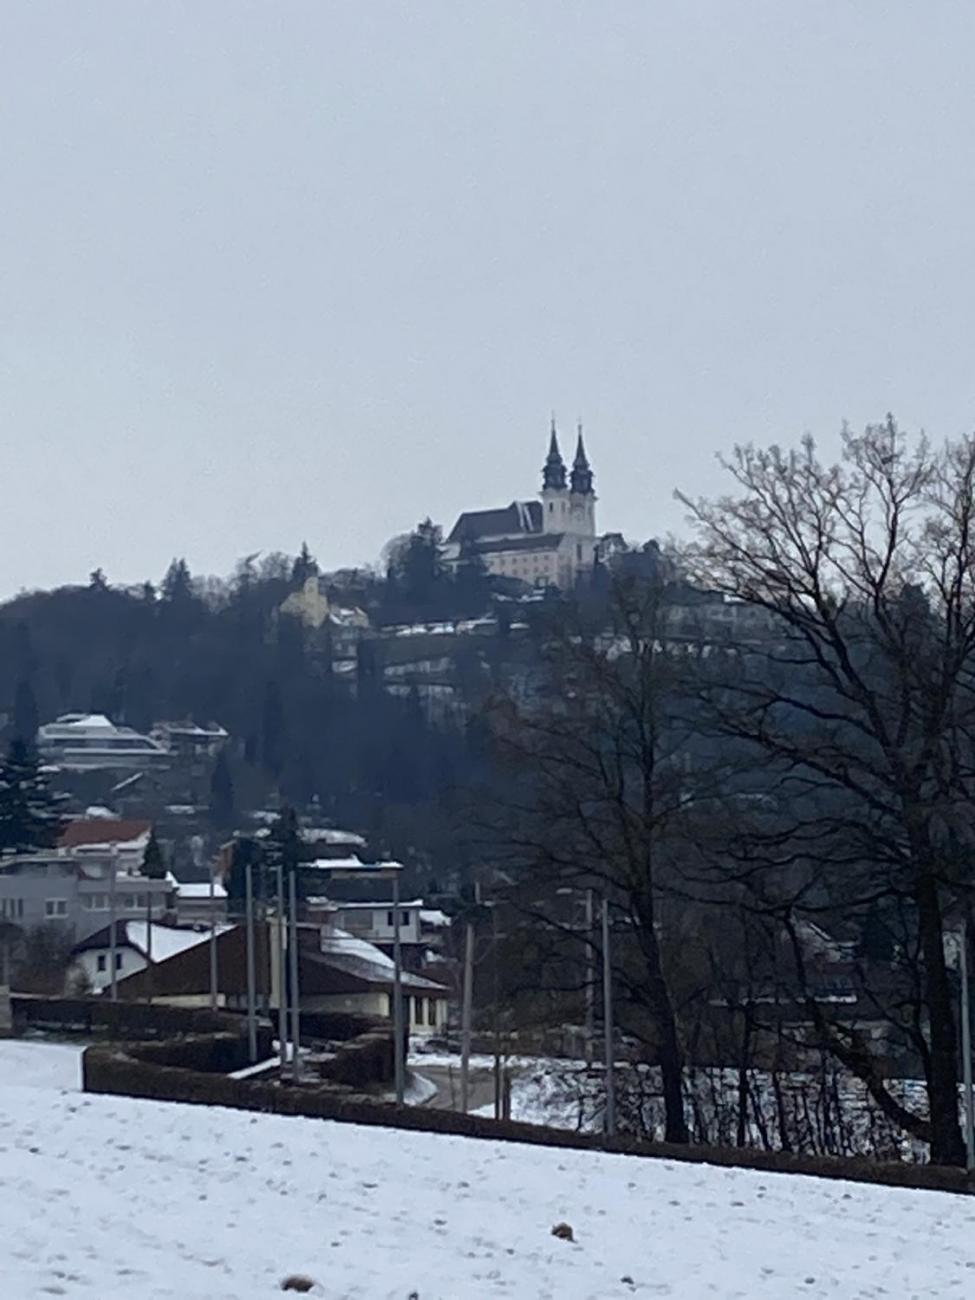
[100, 1017]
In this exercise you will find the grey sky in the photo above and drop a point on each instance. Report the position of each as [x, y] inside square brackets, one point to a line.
[273, 271]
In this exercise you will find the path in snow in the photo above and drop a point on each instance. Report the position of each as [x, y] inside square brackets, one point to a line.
[111, 1199]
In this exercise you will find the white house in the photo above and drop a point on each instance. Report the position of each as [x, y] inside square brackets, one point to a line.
[135, 944]
[81, 742]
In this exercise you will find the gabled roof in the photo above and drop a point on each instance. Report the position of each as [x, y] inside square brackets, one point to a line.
[519, 517]
[167, 940]
[101, 831]
[534, 542]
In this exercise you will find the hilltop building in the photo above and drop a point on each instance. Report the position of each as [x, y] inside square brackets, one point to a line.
[548, 542]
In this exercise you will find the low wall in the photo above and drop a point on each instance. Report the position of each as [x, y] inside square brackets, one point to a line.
[165, 1072]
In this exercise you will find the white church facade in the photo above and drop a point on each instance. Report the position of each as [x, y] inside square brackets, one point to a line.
[547, 542]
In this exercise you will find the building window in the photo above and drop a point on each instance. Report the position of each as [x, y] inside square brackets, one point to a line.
[431, 1012]
[118, 961]
[404, 918]
[101, 961]
[390, 920]
[55, 907]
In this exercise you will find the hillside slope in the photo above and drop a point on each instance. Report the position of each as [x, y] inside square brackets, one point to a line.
[111, 1199]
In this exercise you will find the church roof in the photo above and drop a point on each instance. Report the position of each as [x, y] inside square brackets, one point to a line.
[531, 542]
[519, 517]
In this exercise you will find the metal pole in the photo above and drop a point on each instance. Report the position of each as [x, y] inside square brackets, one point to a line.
[149, 964]
[590, 1044]
[966, 1051]
[498, 1107]
[251, 980]
[112, 886]
[282, 970]
[465, 1022]
[214, 994]
[610, 1125]
[295, 1010]
[400, 1063]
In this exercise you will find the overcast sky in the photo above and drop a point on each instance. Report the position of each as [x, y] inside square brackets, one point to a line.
[273, 271]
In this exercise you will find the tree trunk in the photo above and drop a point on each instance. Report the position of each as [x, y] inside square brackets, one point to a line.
[947, 1145]
[670, 1056]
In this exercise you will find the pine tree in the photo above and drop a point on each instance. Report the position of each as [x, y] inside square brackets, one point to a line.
[223, 806]
[153, 862]
[245, 851]
[177, 585]
[25, 714]
[28, 819]
[282, 847]
[304, 567]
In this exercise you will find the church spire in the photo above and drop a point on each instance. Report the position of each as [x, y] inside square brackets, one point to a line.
[553, 472]
[581, 481]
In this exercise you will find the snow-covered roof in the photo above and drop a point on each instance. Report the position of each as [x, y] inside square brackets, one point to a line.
[167, 941]
[199, 889]
[378, 904]
[359, 957]
[351, 863]
[433, 916]
[328, 835]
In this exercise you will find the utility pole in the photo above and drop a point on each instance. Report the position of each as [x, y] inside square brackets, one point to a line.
[282, 972]
[496, 997]
[399, 1055]
[610, 1125]
[214, 993]
[966, 1050]
[149, 963]
[465, 1021]
[112, 889]
[293, 946]
[251, 973]
[590, 1044]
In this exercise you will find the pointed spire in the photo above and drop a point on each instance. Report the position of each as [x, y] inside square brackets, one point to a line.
[581, 480]
[553, 471]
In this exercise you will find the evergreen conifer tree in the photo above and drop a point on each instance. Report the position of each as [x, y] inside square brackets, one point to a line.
[304, 567]
[223, 805]
[25, 719]
[153, 862]
[28, 819]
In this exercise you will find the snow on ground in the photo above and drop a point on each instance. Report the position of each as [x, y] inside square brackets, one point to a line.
[112, 1198]
[35, 1063]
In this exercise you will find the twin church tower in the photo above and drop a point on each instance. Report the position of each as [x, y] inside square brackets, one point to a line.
[548, 542]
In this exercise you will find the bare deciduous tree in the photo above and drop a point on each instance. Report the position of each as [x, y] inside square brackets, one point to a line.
[860, 701]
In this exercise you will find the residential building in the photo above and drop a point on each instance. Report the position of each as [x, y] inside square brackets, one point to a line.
[95, 868]
[195, 905]
[337, 972]
[82, 742]
[351, 974]
[190, 740]
[136, 945]
[546, 543]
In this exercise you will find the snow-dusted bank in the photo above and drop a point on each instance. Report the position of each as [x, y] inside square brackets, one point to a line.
[110, 1198]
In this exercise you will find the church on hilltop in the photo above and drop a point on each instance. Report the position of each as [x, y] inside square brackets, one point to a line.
[550, 542]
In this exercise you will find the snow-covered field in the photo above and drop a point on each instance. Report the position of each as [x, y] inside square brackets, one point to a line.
[116, 1199]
